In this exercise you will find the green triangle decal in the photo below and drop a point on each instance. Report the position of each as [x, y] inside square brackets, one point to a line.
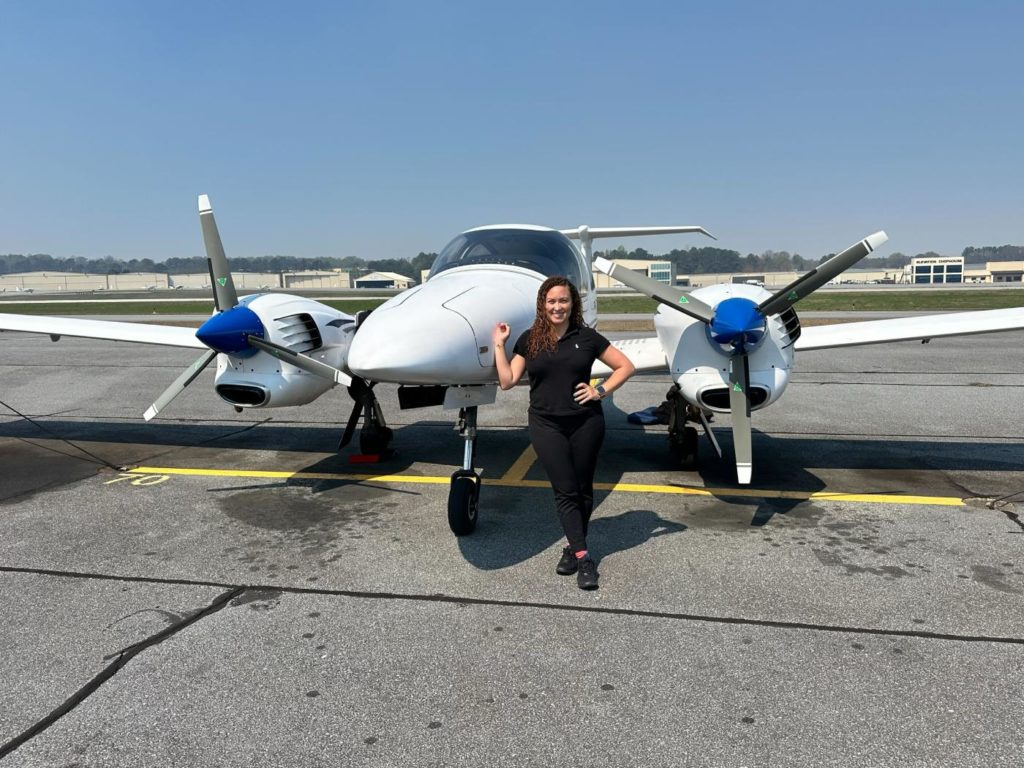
[222, 281]
[736, 387]
[683, 300]
[792, 296]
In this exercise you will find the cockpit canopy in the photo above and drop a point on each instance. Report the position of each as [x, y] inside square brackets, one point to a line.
[546, 251]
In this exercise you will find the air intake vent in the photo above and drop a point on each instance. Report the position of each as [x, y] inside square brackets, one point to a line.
[717, 398]
[792, 325]
[299, 333]
[242, 394]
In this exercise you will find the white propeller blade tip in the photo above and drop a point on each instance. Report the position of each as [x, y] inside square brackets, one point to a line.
[877, 239]
[150, 413]
[743, 473]
[603, 265]
[204, 204]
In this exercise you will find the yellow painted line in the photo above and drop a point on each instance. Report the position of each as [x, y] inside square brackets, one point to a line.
[522, 465]
[685, 490]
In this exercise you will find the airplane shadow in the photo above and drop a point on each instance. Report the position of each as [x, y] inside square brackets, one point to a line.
[518, 523]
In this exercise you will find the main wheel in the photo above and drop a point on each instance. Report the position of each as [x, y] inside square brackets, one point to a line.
[684, 447]
[375, 441]
[462, 502]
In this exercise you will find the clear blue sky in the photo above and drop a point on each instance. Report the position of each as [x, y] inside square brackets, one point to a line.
[380, 129]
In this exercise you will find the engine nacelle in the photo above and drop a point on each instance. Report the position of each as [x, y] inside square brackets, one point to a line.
[302, 325]
[701, 367]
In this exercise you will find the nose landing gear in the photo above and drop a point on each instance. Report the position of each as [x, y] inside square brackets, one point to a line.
[464, 494]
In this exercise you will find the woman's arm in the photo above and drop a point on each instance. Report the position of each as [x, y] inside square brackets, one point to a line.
[509, 371]
[622, 369]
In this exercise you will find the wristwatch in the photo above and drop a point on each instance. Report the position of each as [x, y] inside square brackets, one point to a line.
[600, 390]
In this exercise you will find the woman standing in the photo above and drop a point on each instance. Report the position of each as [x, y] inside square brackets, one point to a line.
[565, 419]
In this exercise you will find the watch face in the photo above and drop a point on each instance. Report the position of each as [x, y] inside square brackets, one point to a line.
[600, 389]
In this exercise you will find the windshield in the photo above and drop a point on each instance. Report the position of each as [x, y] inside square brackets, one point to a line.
[547, 252]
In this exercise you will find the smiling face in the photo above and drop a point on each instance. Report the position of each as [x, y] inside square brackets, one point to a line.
[558, 305]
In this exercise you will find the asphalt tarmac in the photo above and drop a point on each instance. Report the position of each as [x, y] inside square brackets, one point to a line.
[226, 589]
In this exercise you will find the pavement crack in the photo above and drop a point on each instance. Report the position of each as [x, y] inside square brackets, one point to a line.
[235, 590]
[117, 661]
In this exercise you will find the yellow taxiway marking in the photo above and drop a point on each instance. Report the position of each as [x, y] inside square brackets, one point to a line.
[518, 470]
[516, 482]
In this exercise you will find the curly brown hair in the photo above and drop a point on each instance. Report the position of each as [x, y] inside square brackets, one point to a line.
[542, 333]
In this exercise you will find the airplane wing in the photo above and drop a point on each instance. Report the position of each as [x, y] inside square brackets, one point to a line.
[646, 355]
[164, 335]
[910, 328]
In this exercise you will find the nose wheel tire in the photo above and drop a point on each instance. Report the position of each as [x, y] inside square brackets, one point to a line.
[463, 498]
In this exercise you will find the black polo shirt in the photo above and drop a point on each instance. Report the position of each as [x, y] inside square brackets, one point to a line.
[555, 375]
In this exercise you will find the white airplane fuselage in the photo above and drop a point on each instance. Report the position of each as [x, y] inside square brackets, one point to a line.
[439, 333]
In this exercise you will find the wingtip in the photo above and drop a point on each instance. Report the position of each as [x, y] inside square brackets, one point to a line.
[877, 239]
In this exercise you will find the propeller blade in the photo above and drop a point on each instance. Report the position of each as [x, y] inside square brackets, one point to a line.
[817, 277]
[664, 294]
[224, 294]
[186, 378]
[739, 405]
[299, 360]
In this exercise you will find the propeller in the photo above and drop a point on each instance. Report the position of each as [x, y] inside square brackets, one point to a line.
[224, 294]
[660, 292]
[234, 329]
[738, 325]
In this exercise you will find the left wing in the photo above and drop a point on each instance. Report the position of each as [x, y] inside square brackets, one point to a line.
[910, 328]
[142, 333]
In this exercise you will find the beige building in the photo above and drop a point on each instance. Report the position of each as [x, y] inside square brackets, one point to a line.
[1005, 271]
[244, 281]
[50, 282]
[656, 269]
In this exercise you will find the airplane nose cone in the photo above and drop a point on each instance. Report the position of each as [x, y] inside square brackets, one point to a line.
[435, 346]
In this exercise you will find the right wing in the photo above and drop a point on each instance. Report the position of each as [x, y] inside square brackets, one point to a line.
[142, 333]
[645, 354]
[910, 328]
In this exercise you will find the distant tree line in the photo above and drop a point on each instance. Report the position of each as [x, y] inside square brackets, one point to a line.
[687, 262]
[994, 253]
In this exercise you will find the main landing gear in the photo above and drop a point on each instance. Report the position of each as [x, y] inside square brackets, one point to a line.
[464, 495]
[375, 436]
[683, 437]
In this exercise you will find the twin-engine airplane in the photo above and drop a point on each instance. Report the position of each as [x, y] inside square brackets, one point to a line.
[729, 348]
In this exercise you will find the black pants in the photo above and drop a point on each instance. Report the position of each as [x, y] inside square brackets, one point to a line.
[567, 447]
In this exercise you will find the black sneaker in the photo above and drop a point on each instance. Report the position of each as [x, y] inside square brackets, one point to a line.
[566, 563]
[586, 576]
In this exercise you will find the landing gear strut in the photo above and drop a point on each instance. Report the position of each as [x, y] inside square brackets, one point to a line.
[375, 436]
[464, 496]
[683, 437]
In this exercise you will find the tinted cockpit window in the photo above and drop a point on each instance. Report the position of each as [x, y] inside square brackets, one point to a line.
[549, 253]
